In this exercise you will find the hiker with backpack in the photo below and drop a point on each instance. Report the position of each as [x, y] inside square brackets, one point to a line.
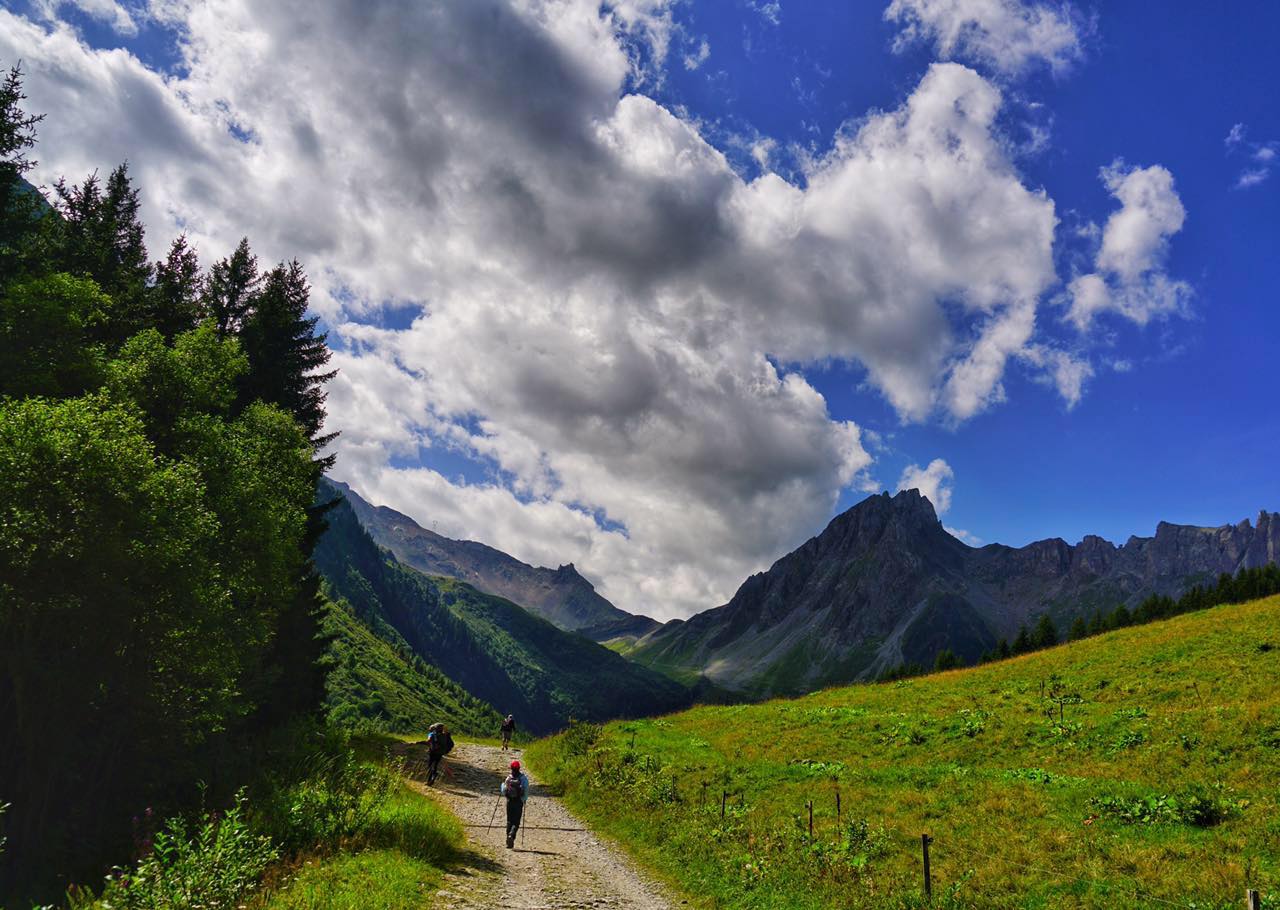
[516, 789]
[508, 728]
[439, 744]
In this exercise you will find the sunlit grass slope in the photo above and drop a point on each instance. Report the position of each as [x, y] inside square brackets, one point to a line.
[398, 863]
[1127, 770]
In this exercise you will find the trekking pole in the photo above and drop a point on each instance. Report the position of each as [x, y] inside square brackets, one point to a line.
[493, 815]
[525, 826]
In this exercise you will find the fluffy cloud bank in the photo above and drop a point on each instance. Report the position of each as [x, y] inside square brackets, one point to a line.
[602, 312]
[1130, 279]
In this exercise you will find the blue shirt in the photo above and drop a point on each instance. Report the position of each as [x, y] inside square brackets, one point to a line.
[524, 787]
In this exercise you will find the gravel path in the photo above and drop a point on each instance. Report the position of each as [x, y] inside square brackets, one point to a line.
[556, 863]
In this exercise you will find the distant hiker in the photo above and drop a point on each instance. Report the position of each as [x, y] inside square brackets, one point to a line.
[516, 789]
[508, 727]
[439, 744]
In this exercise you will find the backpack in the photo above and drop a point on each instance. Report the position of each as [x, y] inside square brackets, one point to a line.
[515, 789]
[446, 743]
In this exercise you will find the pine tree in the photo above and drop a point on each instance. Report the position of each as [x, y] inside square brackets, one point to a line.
[946, 660]
[100, 236]
[1046, 634]
[285, 353]
[19, 206]
[1078, 630]
[17, 129]
[1098, 624]
[229, 291]
[1120, 618]
[285, 357]
[1022, 644]
[179, 286]
[1003, 652]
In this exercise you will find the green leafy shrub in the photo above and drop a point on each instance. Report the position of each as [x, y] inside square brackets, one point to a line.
[211, 866]
[1038, 776]
[334, 798]
[1197, 805]
[1129, 739]
[580, 737]
[971, 721]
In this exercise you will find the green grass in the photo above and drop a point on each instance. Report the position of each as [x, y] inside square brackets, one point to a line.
[397, 863]
[1131, 769]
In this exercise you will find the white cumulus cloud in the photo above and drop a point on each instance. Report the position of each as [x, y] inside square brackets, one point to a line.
[933, 482]
[1006, 35]
[606, 316]
[1130, 279]
[110, 12]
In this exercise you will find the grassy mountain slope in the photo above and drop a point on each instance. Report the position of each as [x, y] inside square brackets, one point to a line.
[492, 648]
[1131, 769]
[375, 678]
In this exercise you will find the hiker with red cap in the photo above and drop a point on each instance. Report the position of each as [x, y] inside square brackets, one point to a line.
[516, 789]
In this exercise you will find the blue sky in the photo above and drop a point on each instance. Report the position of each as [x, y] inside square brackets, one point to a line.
[570, 329]
[1189, 435]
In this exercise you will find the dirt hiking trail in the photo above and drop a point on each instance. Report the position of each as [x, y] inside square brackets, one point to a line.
[557, 862]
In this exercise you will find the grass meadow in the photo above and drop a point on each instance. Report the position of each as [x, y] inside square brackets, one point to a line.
[1137, 769]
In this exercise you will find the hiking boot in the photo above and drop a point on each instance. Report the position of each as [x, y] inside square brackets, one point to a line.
[511, 842]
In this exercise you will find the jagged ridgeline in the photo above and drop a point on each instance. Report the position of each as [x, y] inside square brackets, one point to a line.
[885, 586]
[499, 652]
[561, 596]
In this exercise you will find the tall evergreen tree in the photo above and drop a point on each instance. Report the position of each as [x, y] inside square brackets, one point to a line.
[1046, 634]
[19, 205]
[1022, 644]
[100, 236]
[946, 659]
[286, 360]
[228, 294]
[179, 287]
[1078, 630]
[286, 355]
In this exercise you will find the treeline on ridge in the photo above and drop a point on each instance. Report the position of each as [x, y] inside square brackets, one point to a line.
[1247, 584]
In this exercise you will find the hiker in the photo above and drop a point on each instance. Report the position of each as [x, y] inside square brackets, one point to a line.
[508, 727]
[439, 744]
[516, 789]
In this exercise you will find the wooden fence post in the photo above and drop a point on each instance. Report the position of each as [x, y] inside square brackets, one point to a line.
[724, 796]
[925, 840]
[1252, 900]
[703, 803]
[810, 805]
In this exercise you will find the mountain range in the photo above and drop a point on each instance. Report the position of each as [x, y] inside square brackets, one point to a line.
[469, 642]
[885, 584]
[561, 596]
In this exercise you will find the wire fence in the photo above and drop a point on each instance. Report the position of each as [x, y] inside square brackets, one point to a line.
[1130, 886]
